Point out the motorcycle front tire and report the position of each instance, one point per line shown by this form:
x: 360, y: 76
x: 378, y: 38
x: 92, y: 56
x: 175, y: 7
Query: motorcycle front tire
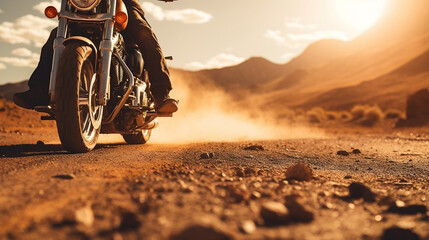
x: 75, y: 71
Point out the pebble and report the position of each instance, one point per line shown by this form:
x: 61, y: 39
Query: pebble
x: 206, y: 155
x: 85, y: 216
x: 397, y: 233
x: 129, y: 222
x: 40, y: 143
x: 359, y: 190
x: 255, y: 195
x: 274, y: 213
x: 407, y: 210
x: 299, y: 172
x: 65, y: 176
x: 248, y: 227
x: 356, y: 151
x: 254, y: 148
x: 297, y: 209
x: 378, y: 218
x: 239, y: 171
x: 343, y: 153
x: 239, y: 193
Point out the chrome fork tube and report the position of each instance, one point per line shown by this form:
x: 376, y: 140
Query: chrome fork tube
x: 58, y: 50
x: 106, y: 50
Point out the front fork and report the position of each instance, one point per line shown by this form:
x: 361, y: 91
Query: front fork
x: 106, y: 51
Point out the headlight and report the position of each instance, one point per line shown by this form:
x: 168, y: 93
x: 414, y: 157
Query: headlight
x: 84, y: 5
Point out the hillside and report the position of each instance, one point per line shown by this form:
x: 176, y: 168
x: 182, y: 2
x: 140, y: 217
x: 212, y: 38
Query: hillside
x: 388, y: 91
x: 9, y: 89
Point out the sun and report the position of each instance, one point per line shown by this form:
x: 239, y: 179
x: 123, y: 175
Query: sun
x: 360, y: 14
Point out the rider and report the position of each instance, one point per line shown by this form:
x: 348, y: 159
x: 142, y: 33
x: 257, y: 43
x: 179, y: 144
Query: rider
x: 139, y: 32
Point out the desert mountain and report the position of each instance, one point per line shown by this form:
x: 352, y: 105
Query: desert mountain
x: 388, y: 91
x: 9, y: 89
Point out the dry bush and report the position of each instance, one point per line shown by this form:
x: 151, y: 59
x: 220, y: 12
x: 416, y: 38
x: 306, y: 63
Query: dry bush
x: 345, y: 115
x: 372, y: 115
x: 358, y: 111
x: 289, y: 114
x: 393, y: 114
x: 330, y: 115
x: 299, y: 112
x: 316, y: 115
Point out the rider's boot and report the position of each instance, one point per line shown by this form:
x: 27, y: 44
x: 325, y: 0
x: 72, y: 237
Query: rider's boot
x: 163, y: 103
x: 31, y: 98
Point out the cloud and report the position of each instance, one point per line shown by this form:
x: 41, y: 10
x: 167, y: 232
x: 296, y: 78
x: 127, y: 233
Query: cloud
x: 22, y: 57
x: 184, y: 15
x: 41, y: 6
x: 275, y: 35
x: 22, y: 52
x: 2, y: 66
x: 218, y: 61
x: 28, y: 29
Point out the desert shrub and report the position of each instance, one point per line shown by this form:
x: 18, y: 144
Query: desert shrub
x: 316, y: 115
x: 372, y: 115
x: 330, y: 115
x: 299, y: 112
x: 2, y: 105
x: 358, y: 111
x: 393, y: 114
x: 345, y: 115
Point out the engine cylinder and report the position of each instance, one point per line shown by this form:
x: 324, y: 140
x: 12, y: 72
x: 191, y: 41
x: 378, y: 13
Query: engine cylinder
x: 135, y: 61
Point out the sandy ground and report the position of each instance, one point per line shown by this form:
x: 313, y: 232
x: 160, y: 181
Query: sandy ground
x: 176, y: 191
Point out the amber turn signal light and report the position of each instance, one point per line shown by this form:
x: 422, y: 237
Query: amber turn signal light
x: 121, y: 17
x: 51, y: 12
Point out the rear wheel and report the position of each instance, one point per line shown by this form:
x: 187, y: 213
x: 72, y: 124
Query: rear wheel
x: 140, y: 138
x: 77, y: 114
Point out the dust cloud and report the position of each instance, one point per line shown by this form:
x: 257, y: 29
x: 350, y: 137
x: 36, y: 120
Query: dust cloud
x: 208, y: 114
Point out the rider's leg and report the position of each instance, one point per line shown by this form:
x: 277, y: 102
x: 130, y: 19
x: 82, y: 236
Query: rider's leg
x: 39, y: 80
x: 140, y: 32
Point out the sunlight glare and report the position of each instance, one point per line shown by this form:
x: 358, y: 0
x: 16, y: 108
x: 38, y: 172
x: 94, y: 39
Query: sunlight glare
x: 360, y: 14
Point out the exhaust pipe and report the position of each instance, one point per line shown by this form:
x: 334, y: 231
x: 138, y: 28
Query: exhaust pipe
x: 151, y: 125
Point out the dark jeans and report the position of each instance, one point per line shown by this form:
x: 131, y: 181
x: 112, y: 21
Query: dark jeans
x: 138, y: 31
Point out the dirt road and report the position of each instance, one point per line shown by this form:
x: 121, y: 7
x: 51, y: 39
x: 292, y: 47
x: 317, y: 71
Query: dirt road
x: 160, y: 191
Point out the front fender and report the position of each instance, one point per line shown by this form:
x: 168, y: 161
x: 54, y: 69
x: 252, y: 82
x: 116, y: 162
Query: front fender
x: 84, y: 40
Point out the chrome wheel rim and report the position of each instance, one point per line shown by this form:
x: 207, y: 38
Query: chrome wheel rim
x: 90, y: 113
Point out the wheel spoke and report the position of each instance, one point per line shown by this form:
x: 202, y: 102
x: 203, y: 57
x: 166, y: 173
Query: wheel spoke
x: 83, y: 101
x: 86, y: 125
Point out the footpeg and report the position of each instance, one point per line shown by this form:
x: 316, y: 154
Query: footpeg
x: 46, y: 109
x: 155, y: 114
x: 164, y: 115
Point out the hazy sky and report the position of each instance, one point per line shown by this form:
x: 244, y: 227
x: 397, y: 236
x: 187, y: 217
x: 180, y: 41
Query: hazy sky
x: 201, y: 33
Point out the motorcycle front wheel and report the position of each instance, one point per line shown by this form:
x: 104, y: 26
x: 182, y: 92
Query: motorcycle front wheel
x: 78, y: 116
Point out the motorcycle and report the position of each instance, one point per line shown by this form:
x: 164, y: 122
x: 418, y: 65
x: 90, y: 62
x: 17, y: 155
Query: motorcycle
x: 98, y: 84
